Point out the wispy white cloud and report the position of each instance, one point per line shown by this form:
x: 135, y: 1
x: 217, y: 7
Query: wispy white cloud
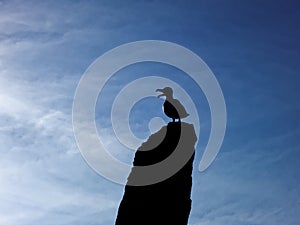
x: 39, y: 157
x: 249, y: 185
x: 44, y: 176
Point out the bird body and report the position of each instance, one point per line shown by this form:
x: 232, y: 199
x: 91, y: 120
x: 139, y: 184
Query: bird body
x: 172, y: 107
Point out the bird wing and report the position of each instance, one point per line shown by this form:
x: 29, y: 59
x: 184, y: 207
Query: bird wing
x: 180, y: 108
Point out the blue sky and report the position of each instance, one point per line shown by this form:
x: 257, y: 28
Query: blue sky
x: 251, y: 46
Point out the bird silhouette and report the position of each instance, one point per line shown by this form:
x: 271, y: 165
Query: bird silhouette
x: 172, y: 107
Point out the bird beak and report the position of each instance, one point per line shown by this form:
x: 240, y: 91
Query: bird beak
x: 160, y: 90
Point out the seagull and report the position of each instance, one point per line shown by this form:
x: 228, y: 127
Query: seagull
x: 172, y: 107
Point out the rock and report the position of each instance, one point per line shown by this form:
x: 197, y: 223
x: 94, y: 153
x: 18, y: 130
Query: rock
x: 161, y: 202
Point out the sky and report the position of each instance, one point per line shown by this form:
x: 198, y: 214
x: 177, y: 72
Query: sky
x: 251, y: 46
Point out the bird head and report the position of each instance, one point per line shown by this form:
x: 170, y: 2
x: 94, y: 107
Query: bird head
x: 167, y: 91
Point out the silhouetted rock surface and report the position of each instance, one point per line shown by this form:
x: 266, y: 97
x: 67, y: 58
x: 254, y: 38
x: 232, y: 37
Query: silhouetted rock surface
x: 166, y: 202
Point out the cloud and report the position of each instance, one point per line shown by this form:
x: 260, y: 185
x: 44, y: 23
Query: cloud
x: 43, y: 176
x: 250, y: 185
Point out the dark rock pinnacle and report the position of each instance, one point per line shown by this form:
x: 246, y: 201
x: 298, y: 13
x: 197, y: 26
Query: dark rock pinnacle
x: 163, y: 202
